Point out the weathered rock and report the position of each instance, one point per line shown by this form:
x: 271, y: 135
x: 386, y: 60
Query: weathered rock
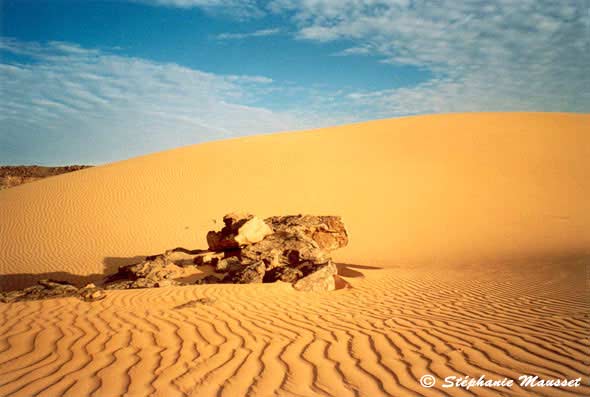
x: 157, y: 272
x: 284, y: 248
x: 253, y: 273
x: 229, y: 264
x: 91, y: 293
x: 53, y: 289
x: 327, y: 231
x: 119, y: 284
x: 183, y: 257
x: 322, y: 279
x: 239, y: 230
x: 208, y: 258
x: 286, y: 274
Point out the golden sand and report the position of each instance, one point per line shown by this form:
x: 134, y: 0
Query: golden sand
x: 469, y: 255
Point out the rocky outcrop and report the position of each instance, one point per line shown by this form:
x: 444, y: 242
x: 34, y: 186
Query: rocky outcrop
x: 327, y: 231
x: 157, y: 271
x: 294, y: 249
x: 46, y: 289
x: 297, y: 247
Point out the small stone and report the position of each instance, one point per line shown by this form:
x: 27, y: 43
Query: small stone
x: 92, y: 294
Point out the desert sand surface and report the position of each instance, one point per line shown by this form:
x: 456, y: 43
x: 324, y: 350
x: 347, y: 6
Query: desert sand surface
x: 469, y: 255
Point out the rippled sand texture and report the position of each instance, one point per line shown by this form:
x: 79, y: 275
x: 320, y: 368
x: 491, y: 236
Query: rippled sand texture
x: 376, y: 339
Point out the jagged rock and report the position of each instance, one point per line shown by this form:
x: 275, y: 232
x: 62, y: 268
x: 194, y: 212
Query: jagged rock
x: 120, y: 284
x: 327, y: 231
x: 252, y: 273
x: 53, y: 289
x: 322, y: 279
x: 284, y: 248
x: 286, y: 274
x: 239, y: 230
x: 229, y: 264
x: 157, y: 272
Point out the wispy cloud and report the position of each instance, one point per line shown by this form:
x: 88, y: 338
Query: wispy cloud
x: 244, y: 35
x: 498, y: 55
x: 484, y: 55
x: 236, y: 8
x: 95, y: 106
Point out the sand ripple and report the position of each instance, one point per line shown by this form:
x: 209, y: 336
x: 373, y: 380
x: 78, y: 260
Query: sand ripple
x: 376, y: 339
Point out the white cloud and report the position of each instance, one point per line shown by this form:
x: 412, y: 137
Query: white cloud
x: 237, y: 8
x: 353, y: 51
x: 257, y: 33
x: 484, y: 55
x: 89, y: 105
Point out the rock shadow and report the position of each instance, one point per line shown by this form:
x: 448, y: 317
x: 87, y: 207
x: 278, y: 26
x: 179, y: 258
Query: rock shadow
x: 348, y: 270
x: 112, y: 263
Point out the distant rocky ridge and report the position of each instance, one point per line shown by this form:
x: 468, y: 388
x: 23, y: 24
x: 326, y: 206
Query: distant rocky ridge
x: 11, y: 176
x: 294, y: 249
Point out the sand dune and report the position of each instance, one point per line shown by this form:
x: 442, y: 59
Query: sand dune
x: 479, y: 222
x: 418, y: 189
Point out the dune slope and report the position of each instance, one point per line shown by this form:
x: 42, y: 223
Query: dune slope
x: 425, y: 189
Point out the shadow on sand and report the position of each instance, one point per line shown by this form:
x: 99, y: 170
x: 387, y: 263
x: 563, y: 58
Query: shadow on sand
x: 10, y: 282
x: 348, y: 270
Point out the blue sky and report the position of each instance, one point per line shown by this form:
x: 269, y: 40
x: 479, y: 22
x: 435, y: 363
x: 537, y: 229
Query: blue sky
x: 99, y: 81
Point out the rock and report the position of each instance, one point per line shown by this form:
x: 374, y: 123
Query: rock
x: 239, y: 230
x: 195, y: 303
x: 153, y: 273
x: 284, y: 248
x: 183, y: 257
x: 285, y: 274
x: 90, y: 293
x: 57, y: 287
x: 253, y: 273
x: 228, y: 264
x: 53, y: 289
x: 327, y: 231
x: 208, y: 258
x: 322, y: 279
x: 120, y: 284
